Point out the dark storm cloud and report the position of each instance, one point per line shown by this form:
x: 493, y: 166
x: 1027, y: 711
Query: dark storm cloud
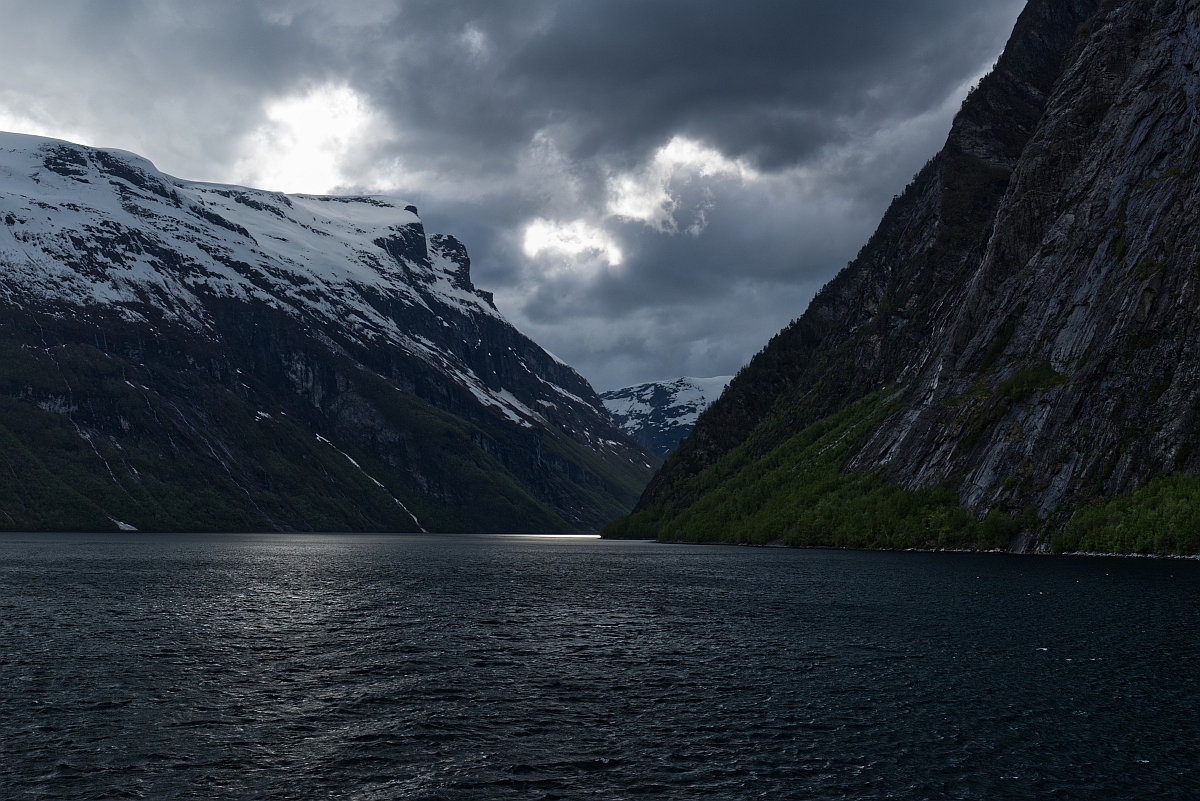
x: 764, y: 80
x: 497, y: 113
x: 771, y: 81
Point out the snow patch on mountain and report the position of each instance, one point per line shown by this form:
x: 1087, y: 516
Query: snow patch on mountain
x: 319, y: 253
x: 85, y: 226
x: 661, y: 413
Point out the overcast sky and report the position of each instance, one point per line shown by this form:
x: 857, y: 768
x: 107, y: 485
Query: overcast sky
x: 652, y: 188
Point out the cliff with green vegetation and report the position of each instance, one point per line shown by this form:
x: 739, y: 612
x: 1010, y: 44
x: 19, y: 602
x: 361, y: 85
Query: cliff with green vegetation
x: 1012, y: 360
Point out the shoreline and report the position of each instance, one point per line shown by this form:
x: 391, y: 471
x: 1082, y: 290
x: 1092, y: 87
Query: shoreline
x: 778, y: 544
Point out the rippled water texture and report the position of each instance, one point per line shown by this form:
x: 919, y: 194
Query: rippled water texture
x: 490, y: 667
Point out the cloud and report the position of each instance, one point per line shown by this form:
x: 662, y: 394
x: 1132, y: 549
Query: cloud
x: 648, y: 195
x: 573, y: 239
x: 307, y: 141
x: 651, y: 189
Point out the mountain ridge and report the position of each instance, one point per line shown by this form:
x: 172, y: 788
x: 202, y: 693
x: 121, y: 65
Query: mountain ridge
x: 798, y: 358
x: 1024, y: 309
x: 658, y: 414
x: 154, y: 323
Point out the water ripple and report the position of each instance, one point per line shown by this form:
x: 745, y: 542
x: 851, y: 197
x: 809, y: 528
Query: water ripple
x: 280, y: 667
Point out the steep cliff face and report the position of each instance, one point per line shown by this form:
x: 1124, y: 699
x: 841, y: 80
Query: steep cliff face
x: 1070, y: 367
x: 1087, y: 281
x: 880, y: 316
x: 1028, y: 308
x: 184, y: 355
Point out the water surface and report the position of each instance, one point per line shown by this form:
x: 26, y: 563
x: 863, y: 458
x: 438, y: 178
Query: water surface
x: 298, y: 667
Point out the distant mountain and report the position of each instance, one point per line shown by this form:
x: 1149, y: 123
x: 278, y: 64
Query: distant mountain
x: 661, y: 413
x: 180, y: 355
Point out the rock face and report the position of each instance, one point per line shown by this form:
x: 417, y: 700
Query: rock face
x: 661, y: 413
x: 1031, y: 303
x: 188, y: 355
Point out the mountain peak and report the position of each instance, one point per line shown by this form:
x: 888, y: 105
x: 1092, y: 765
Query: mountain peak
x: 661, y: 413
x: 328, y: 319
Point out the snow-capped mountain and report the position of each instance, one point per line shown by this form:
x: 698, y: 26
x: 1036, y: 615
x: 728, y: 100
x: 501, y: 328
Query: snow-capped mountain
x: 292, y: 304
x: 661, y: 413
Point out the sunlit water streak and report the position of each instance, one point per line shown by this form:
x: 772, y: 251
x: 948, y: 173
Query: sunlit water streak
x: 486, y: 667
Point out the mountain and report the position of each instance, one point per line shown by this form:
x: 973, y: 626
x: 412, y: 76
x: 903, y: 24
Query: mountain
x: 1013, y: 359
x: 661, y: 413
x: 180, y: 355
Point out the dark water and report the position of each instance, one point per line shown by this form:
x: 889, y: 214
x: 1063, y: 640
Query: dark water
x: 486, y: 667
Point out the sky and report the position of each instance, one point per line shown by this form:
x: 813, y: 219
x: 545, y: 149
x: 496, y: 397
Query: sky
x: 651, y: 188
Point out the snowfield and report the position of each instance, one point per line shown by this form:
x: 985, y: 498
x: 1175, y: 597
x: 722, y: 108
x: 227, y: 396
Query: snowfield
x: 661, y: 413
x: 88, y: 226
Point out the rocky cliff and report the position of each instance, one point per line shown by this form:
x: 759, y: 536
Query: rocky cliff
x: 179, y: 355
x: 1020, y: 334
